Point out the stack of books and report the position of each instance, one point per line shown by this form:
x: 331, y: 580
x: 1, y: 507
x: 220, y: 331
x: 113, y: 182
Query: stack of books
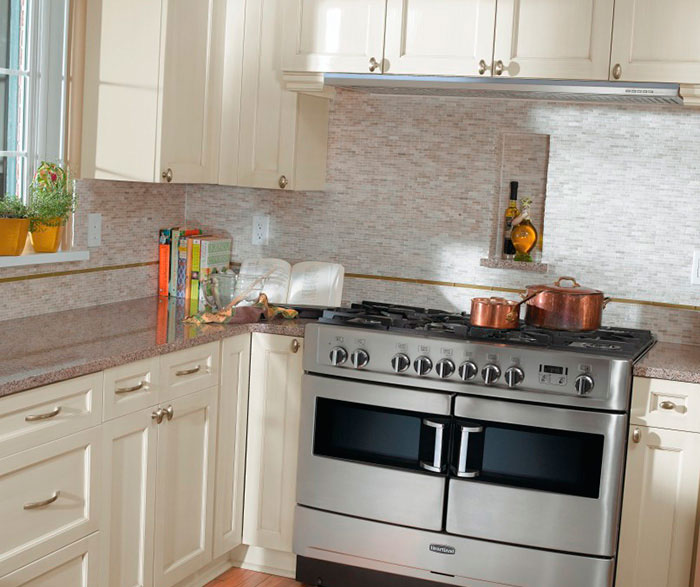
x: 187, y: 258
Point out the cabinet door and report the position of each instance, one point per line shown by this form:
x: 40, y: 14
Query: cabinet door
x: 439, y: 37
x: 333, y: 35
x: 128, y: 490
x: 193, y: 42
x: 567, y: 39
x: 657, y: 41
x: 185, y: 487
x: 659, y: 509
x: 230, y: 457
x: 273, y: 438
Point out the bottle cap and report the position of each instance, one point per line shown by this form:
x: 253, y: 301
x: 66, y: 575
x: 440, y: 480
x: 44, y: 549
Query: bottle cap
x: 513, y: 190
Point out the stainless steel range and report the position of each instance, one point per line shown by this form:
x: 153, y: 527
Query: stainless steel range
x: 433, y: 451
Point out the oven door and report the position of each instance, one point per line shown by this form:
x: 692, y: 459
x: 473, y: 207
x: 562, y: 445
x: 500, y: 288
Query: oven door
x: 536, y: 476
x: 374, y: 451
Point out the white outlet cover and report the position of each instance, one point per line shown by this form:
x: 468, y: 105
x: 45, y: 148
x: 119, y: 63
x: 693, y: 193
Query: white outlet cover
x: 695, y: 275
x: 94, y: 236
x: 261, y: 229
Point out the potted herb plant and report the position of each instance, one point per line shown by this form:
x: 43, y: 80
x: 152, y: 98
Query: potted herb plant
x: 52, y: 204
x: 14, y: 225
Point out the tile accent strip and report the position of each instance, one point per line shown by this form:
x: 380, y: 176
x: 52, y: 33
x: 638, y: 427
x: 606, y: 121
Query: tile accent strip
x: 75, y: 272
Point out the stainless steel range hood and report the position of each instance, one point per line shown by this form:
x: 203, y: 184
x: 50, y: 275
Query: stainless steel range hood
x: 553, y: 90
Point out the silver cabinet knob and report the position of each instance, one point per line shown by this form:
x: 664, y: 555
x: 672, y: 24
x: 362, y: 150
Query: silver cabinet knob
x: 483, y: 67
x: 490, y: 374
x: 158, y: 415
x: 296, y: 345
x: 498, y: 67
x: 423, y: 365
x: 584, y: 384
x: 283, y: 182
x: 359, y: 358
x: 468, y: 370
x: 617, y: 71
x: 667, y: 405
x: 400, y: 363
x: 169, y: 413
x: 444, y: 368
x: 514, y: 376
x: 636, y: 435
x: 338, y: 356
x: 167, y: 175
x: 374, y: 65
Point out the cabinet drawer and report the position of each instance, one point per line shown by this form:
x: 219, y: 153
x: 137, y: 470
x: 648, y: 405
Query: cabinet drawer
x: 666, y: 404
x: 74, y: 566
x: 190, y: 370
x: 31, y: 418
x: 49, y: 498
x: 131, y: 387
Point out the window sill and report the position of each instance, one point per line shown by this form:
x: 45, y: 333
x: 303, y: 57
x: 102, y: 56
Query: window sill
x: 44, y: 258
x: 533, y: 267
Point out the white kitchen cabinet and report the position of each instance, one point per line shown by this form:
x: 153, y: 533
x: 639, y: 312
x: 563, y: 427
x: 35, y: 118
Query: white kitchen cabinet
x: 184, y: 507
x: 152, y: 91
x: 334, y: 35
x: 659, y: 510
x: 273, y: 437
x: 128, y: 491
x: 656, y: 41
x: 439, y: 37
x: 282, y: 135
x: 230, y: 456
x: 566, y: 39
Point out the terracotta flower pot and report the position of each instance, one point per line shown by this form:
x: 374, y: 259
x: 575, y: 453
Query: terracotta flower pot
x: 47, y: 239
x: 13, y: 235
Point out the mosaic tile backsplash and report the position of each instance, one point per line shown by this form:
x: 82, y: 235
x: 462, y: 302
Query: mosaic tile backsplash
x: 415, y: 189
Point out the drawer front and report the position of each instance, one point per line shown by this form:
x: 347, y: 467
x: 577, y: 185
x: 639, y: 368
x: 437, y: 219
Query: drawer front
x: 74, y: 566
x: 666, y: 404
x: 31, y: 418
x: 49, y: 497
x: 190, y: 370
x: 131, y: 387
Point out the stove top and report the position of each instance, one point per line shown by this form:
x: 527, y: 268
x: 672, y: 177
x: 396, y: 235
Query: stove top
x: 623, y: 343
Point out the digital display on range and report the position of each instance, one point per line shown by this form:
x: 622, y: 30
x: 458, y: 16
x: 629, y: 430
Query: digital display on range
x: 552, y: 369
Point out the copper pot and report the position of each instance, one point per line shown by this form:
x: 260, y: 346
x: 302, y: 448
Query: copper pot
x: 559, y: 307
x: 495, y: 313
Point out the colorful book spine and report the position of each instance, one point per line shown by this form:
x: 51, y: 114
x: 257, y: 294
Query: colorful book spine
x: 182, y: 291
x: 164, y: 243
x: 194, y: 274
x: 175, y: 241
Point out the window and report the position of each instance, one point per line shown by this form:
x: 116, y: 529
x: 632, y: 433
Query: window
x: 32, y: 88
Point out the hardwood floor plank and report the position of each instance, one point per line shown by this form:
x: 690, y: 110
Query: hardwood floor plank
x: 246, y: 578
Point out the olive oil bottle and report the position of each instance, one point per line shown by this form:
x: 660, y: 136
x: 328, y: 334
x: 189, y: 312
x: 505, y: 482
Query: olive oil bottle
x: 511, y: 213
x: 523, y: 234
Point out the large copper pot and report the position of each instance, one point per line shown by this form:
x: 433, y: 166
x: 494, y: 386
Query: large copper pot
x: 559, y: 307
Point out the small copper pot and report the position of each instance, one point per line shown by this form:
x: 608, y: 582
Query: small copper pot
x: 559, y: 307
x: 495, y: 313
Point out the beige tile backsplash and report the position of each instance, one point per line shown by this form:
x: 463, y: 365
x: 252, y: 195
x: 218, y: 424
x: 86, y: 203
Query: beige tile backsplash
x: 415, y: 189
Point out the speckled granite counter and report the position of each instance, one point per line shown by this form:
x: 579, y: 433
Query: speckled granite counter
x: 53, y: 347
x: 675, y: 362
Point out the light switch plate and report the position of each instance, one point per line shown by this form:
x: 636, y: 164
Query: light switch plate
x: 94, y: 236
x: 695, y: 275
x: 261, y: 229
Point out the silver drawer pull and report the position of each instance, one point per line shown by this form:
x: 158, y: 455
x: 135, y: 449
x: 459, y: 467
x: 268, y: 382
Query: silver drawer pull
x: 436, y: 465
x: 461, y: 469
x: 40, y: 504
x: 667, y: 405
x: 47, y: 416
x: 187, y: 371
x: 121, y: 390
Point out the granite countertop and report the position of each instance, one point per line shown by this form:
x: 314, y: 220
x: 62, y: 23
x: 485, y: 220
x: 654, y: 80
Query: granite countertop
x: 44, y: 349
x: 675, y: 362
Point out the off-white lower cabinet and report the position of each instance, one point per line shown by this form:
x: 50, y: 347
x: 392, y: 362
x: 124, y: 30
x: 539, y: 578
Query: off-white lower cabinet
x: 662, y: 487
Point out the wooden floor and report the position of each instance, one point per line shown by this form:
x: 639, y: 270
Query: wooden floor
x: 244, y: 578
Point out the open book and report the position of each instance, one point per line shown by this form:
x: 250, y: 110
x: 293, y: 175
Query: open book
x: 310, y: 283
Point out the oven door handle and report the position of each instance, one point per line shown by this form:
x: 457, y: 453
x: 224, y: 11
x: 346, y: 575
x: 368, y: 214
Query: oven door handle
x: 461, y: 469
x: 436, y: 466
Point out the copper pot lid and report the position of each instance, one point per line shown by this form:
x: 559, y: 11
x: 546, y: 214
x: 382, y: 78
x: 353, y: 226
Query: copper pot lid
x: 575, y: 288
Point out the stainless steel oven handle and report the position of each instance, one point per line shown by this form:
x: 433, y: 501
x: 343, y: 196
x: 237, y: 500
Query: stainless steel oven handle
x: 436, y: 465
x: 461, y: 470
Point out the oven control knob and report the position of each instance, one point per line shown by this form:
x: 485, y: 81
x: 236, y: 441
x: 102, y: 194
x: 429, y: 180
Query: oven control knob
x: 490, y: 374
x: 338, y: 356
x: 514, y: 376
x: 584, y: 384
x: 423, y: 365
x: 359, y: 358
x: 468, y: 371
x: 445, y: 368
x: 400, y: 363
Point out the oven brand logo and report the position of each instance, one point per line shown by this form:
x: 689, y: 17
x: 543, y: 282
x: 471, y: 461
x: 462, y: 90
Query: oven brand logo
x: 442, y: 549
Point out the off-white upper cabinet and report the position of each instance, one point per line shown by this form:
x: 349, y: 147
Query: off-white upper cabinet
x: 152, y: 92
x: 656, y: 41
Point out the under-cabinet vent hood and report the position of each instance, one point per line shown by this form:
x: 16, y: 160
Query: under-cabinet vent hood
x: 569, y: 91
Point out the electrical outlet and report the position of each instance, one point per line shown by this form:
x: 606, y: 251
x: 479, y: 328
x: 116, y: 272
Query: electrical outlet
x: 261, y: 229
x: 94, y: 236
x: 695, y: 275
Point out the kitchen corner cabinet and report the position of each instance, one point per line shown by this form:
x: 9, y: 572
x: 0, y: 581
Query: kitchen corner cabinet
x: 662, y: 486
x: 273, y: 437
x: 152, y: 91
x: 656, y: 41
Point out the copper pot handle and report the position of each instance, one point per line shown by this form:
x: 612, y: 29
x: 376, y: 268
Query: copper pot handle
x: 557, y: 283
x: 606, y: 301
x: 512, y: 316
